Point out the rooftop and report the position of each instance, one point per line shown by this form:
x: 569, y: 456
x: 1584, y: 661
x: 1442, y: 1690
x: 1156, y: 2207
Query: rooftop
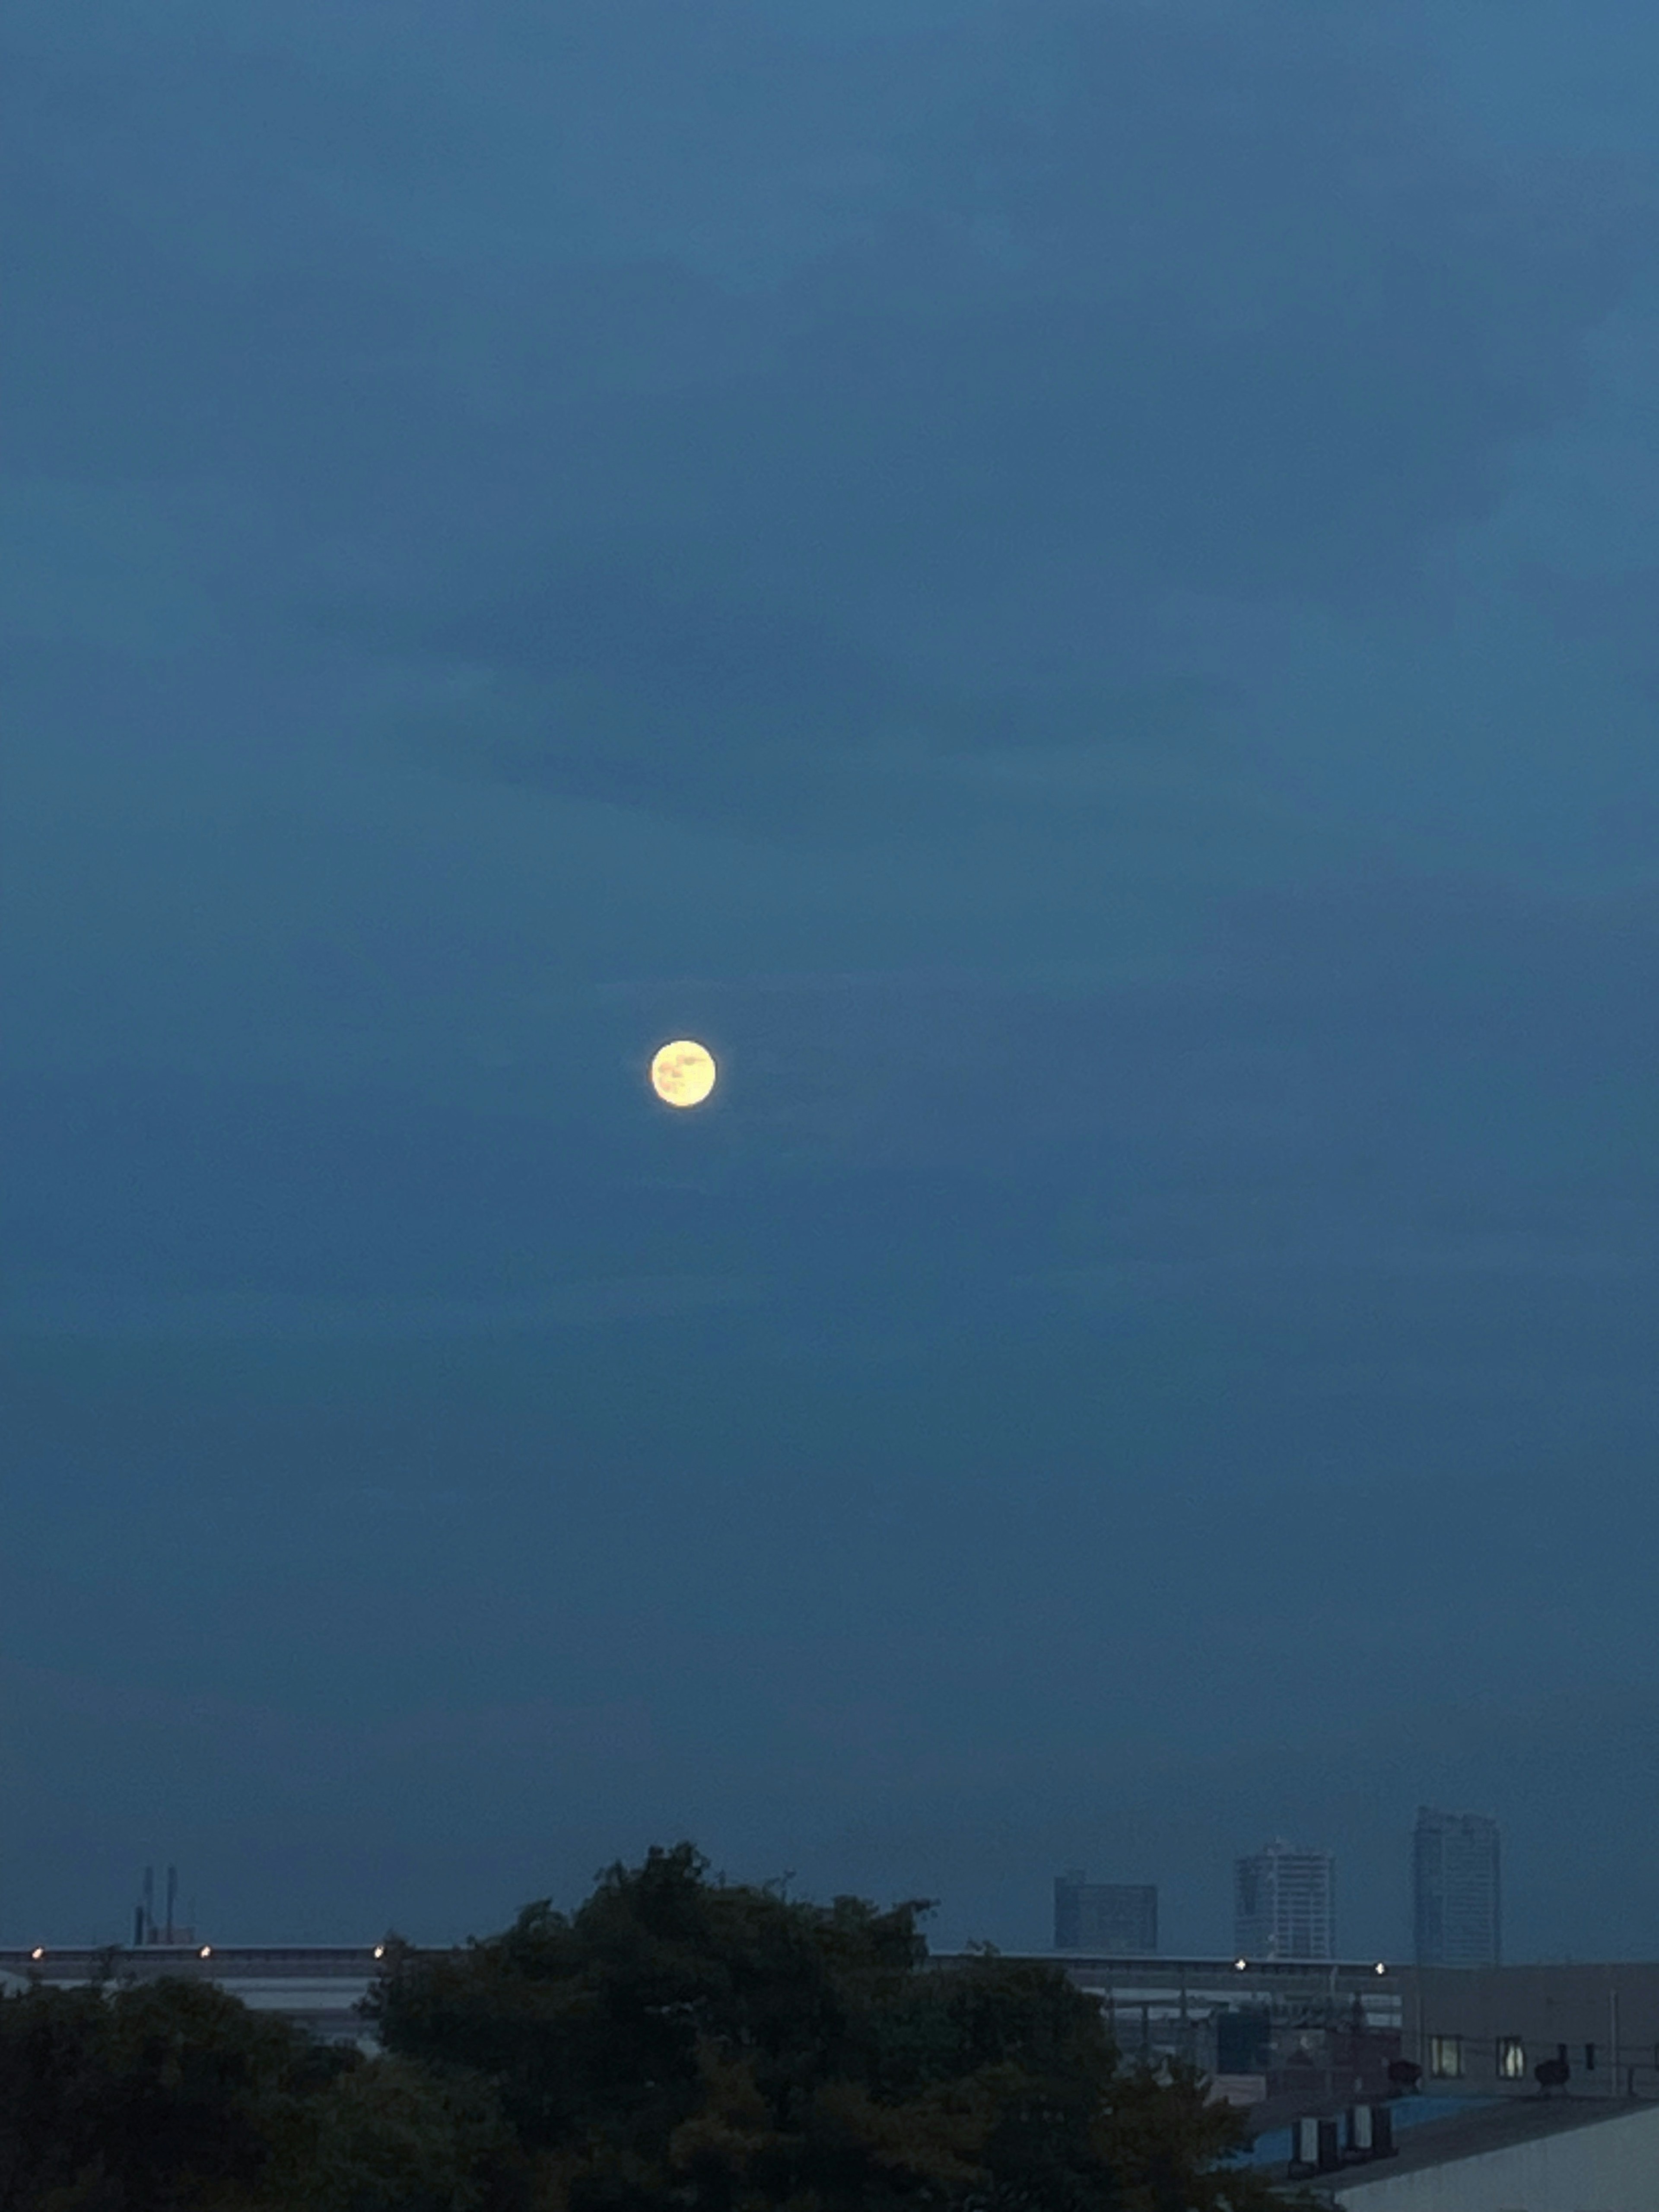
x: 1432, y: 2131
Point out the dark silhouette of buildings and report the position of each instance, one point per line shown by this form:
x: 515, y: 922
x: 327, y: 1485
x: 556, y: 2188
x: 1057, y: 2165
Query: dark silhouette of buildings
x: 1285, y: 1903
x: 1117, y: 1919
x: 1457, y: 1893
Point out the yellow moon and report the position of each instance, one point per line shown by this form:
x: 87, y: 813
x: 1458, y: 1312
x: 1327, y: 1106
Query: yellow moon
x: 682, y: 1073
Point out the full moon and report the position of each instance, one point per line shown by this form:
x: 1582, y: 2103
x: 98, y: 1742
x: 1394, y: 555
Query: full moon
x: 682, y: 1073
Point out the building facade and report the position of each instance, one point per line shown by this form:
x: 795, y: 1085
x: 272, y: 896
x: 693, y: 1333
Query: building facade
x: 1455, y: 1891
x: 1284, y: 2035
x: 316, y: 1987
x: 1115, y: 1917
x: 1285, y: 1903
x: 1483, y: 2030
x: 1277, y: 2037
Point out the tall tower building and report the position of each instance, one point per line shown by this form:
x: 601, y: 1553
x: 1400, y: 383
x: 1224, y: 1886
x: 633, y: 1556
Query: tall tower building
x: 1116, y: 1917
x: 1285, y: 1903
x: 1456, y: 1894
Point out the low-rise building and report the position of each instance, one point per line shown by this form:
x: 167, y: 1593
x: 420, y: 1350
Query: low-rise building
x: 1277, y: 2035
x: 1527, y: 2155
x: 316, y: 1986
x: 1325, y: 2033
x: 1476, y: 2030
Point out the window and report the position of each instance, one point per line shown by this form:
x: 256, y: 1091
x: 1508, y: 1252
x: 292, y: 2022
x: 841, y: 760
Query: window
x: 1511, y: 2059
x: 1446, y: 2058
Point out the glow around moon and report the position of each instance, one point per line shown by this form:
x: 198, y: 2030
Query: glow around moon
x: 682, y: 1073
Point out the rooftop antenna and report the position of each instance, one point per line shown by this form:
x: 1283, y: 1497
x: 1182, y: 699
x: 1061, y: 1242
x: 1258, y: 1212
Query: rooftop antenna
x: 147, y: 1908
x: 172, y: 1893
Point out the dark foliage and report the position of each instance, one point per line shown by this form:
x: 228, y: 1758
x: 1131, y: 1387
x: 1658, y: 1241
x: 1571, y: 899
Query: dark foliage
x: 150, y: 2098
x: 679, y: 2042
x: 172, y: 2096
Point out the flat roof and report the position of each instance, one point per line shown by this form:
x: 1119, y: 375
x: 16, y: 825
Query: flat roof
x: 51, y: 1961
x: 1154, y: 1962
x: 1497, y: 2123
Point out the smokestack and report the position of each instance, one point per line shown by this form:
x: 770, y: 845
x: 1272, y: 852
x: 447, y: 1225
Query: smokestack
x: 172, y: 1895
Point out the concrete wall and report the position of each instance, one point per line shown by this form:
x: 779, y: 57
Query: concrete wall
x: 1609, y: 2166
x: 1542, y: 2007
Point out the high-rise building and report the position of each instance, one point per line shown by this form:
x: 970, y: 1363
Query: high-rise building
x: 1455, y: 1889
x: 1285, y: 1903
x: 1113, y: 1917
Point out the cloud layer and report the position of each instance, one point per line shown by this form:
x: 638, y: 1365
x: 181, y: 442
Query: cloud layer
x: 1068, y: 585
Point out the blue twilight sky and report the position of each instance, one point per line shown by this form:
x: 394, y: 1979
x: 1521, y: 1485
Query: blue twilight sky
x: 1072, y: 587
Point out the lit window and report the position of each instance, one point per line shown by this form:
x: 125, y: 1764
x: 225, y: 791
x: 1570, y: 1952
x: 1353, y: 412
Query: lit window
x: 1511, y: 2059
x: 1446, y: 2058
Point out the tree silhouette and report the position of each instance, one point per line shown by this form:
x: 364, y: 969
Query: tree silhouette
x: 676, y: 2044
x: 682, y: 2043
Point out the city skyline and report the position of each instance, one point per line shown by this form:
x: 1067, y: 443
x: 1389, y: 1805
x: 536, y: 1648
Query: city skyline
x: 1457, y: 1917
x: 1114, y: 1917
